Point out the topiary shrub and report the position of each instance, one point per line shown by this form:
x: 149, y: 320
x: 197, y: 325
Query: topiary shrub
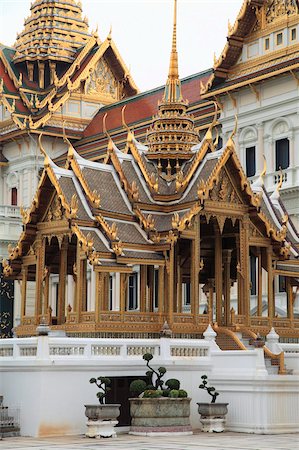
x: 173, y: 383
x: 156, y: 393
x: 155, y: 383
x: 137, y: 387
x: 103, y: 384
x: 183, y: 393
x: 210, y: 389
x: 174, y: 393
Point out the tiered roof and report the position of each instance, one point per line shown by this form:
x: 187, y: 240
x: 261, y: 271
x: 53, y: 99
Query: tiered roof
x: 55, y: 30
x: 52, y: 61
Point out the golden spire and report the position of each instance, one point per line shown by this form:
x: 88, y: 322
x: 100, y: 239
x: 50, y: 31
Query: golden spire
x: 174, y: 66
x: 173, y: 85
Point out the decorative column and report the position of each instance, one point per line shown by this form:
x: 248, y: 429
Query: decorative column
x: 179, y: 286
x: 39, y: 274
x: 244, y: 267
x: 210, y: 301
x: 46, y: 290
x: 151, y: 274
x: 260, y: 284
x: 143, y: 285
x: 271, y: 305
x: 99, y: 295
x: 170, y: 290
x: 227, y: 256
x: 161, y: 293
x: 41, y: 74
x: 290, y: 308
x: 218, y: 275
x: 123, y: 294
x: 24, y: 291
x: 195, y: 267
x: 62, y: 282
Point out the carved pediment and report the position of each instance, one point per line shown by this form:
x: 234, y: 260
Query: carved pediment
x: 274, y: 10
x: 56, y: 211
x: 254, y: 232
x: 102, y: 81
x: 224, y: 191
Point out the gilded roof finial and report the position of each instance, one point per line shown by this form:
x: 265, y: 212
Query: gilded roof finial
x: 173, y: 86
x: 130, y: 133
x: 109, y: 37
x: 43, y: 151
x: 276, y: 194
x: 260, y: 181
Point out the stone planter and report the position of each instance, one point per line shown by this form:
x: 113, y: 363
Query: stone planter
x: 212, y: 416
x: 101, y: 420
x: 160, y: 416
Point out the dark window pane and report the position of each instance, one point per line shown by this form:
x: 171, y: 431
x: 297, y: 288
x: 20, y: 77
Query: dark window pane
x: 282, y: 154
x: 156, y: 291
x: 253, y: 274
x: 14, y: 196
x: 250, y: 161
x: 282, y: 283
x: 110, y: 293
x: 133, y: 291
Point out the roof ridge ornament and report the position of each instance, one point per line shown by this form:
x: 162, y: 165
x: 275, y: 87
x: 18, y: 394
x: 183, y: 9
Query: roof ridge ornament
x: 130, y: 136
x: 260, y: 181
x: 276, y: 194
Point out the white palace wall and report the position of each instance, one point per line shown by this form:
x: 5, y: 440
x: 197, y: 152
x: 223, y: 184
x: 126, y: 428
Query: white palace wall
x: 47, y: 379
x: 265, y: 115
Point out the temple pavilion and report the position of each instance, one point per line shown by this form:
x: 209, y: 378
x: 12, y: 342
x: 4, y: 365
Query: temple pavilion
x: 158, y: 231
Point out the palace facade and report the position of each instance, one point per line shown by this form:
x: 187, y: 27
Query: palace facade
x: 190, y: 219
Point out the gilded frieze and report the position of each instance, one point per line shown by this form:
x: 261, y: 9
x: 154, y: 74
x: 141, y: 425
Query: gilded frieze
x: 274, y: 10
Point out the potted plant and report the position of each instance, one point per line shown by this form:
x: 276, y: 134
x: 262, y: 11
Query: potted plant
x: 158, y: 407
x: 212, y: 415
x: 101, y: 417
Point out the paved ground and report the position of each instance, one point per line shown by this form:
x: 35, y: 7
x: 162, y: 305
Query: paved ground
x: 200, y: 441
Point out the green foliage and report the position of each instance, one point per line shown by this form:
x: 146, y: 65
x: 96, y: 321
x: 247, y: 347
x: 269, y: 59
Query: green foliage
x: 183, y: 393
x: 173, y: 383
x: 147, y: 357
x: 137, y: 387
x: 155, y: 382
x: 210, y: 389
x: 156, y: 393
x: 174, y: 393
x: 103, y: 384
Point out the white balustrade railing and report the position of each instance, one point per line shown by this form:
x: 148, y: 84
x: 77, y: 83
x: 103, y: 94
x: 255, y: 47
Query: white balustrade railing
x: 51, y: 348
x: 289, y: 348
x: 10, y: 211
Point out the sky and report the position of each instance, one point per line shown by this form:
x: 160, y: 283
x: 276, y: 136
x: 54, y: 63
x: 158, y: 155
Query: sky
x: 142, y: 31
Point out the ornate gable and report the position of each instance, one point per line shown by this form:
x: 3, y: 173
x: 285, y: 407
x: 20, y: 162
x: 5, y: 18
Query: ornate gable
x: 224, y: 191
x: 103, y: 83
